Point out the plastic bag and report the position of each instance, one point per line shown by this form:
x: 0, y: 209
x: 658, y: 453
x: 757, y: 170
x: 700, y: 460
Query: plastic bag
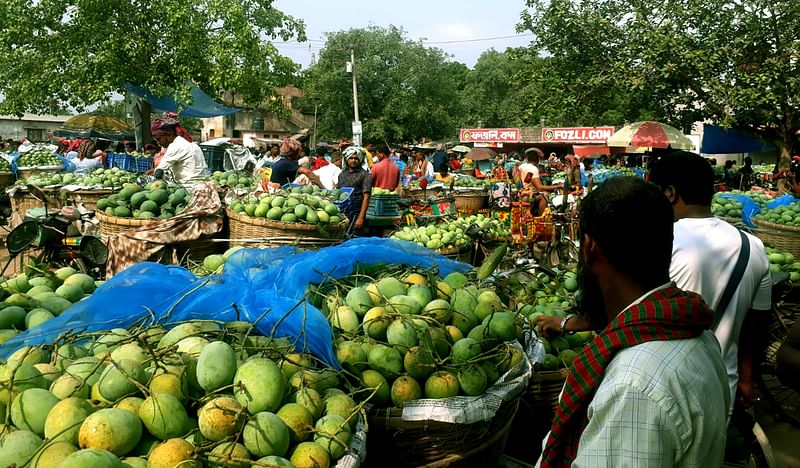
x: 783, y: 200
x: 749, y: 207
x: 263, y: 286
x: 236, y: 157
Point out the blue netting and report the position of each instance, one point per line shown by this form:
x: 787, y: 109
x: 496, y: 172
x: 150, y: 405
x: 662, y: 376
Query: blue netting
x: 750, y: 207
x: 263, y: 286
x: 782, y: 201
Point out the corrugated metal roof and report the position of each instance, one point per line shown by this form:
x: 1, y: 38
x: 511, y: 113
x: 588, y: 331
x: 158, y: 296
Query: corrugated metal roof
x: 37, y: 118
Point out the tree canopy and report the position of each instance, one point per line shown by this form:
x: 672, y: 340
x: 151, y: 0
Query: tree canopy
x: 75, y: 53
x: 406, y: 91
x: 732, y: 62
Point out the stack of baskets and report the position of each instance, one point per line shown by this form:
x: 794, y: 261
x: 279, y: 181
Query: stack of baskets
x: 545, y: 386
x: 780, y: 236
x: 434, y: 444
x: 253, y: 232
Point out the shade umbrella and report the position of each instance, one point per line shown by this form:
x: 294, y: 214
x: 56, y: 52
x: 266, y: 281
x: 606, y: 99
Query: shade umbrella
x: 95, y: 125
x: 480, y: 154
x: 650, y: 134
x: 461, y: 149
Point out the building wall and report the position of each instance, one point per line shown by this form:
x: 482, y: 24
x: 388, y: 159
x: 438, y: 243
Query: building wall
x: 34, y: 128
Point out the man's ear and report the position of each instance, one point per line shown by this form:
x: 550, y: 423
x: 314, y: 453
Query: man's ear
x: 671, y: 194
x: 589, y: 249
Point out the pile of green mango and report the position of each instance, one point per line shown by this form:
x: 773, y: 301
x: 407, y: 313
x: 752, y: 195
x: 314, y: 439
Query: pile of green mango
x: 155, y: 201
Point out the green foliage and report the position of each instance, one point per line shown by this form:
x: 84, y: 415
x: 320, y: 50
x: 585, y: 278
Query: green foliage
x: 75, y: 52
x: 732, y: 62
x: 406, y: 90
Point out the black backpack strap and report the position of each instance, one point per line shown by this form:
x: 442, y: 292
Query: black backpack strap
x: 735, y: 280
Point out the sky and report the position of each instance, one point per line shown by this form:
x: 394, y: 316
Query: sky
x: 432, y: 21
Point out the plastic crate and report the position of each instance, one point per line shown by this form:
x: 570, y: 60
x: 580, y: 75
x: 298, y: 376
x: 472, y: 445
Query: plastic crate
x: 383, y: 205
x: 144, y: 164
x: 344, y: 205
x: 125, y: 162
x: 215, y: 158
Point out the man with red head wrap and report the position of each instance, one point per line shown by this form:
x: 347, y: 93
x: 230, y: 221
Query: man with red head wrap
x: 183, y: 157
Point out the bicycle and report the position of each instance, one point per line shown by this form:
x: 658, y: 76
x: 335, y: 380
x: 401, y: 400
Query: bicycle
x: 48, y: 238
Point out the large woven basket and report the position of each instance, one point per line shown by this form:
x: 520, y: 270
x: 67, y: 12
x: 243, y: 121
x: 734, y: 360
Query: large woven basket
x: 395, y: 442
x: 88, y: 198
x: 112, y: 225
x: 470, y: 203
x: 785, y: 238
x: 419, y: 194
x: 253, y: 232
x: 22, y: 201
x: 461, y: 254
x: 546, y: 386
x: 27, y: 172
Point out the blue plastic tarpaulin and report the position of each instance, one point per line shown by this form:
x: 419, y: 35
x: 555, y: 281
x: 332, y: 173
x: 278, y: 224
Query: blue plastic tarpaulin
x: 719, y: 140
x: 266, y: 287
x: 202, y: 106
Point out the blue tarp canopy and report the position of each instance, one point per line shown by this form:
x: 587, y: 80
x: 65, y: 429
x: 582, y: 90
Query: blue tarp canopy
x: 202, y: 105
x: 719, y: 140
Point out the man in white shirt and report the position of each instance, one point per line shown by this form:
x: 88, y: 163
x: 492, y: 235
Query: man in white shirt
x: 532, y: 183
x: 183, y: 157
x: 705, y: 252
x: 329, y: 173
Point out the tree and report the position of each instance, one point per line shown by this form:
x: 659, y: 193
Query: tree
x: 77, y: 53
x: 735, y: 63
x: 490, y: 95
x: 405, y: 91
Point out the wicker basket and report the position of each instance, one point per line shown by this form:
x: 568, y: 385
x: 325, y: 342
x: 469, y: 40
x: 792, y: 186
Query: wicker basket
x: 546, y: 386
x: 89, y: 198
x: 112, y: 225
x: 197, y: 250
x: 22, y: 201
x: 785, y: 238
x: 469, y: 172
x: 6, y: 179
x: 419, y: 194
x: 436, y: 444
x: 461, y: 254
x: 471, y: 202
x: 27, y: 172
x: 253, y: 232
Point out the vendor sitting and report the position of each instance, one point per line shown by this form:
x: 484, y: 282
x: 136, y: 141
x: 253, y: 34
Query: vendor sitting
x: 444, y: 175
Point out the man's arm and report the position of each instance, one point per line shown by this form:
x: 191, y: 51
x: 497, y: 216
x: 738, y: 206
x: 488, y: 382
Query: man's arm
x: 366, y: 187
x: 751, y: 349
x: 551, y: 325
x: 311, y: 176
x: 540, y: 187
x: 788, y: 358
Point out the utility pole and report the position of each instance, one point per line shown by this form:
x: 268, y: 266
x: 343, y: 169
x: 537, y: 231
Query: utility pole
x: 356, y: 121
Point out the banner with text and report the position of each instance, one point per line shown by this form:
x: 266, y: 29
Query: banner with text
x: 485, y: 135
x: 577, y: 134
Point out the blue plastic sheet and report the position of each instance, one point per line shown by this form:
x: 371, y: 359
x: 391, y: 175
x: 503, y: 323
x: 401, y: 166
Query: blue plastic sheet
x: 749, y: 207
x: 783, y: 200
x: 263, y: 286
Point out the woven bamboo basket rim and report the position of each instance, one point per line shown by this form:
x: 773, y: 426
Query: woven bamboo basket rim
x: 40, y: 168
x: 452, y: 250
x: 761, y: 224
x: 92, y: 191
x: 731, y: 220
x: 280, y: 225
x: 497, y: 436
x: 549, y: 376
x: 125, y: 222
x: 432, y: 443
x: 473, y: 194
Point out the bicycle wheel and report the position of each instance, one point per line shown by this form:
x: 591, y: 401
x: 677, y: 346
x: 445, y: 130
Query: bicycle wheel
x: 561, y: 253
x: 784, y: 400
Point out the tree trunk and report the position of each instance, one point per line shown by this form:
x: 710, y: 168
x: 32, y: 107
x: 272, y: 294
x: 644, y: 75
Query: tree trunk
x: 141, y: 122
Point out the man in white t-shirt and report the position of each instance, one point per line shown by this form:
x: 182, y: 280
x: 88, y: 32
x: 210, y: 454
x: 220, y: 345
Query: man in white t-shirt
x: 532, y: 183
x: 704, y: 254
x: 183, y: 157
x: 329, y: 174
